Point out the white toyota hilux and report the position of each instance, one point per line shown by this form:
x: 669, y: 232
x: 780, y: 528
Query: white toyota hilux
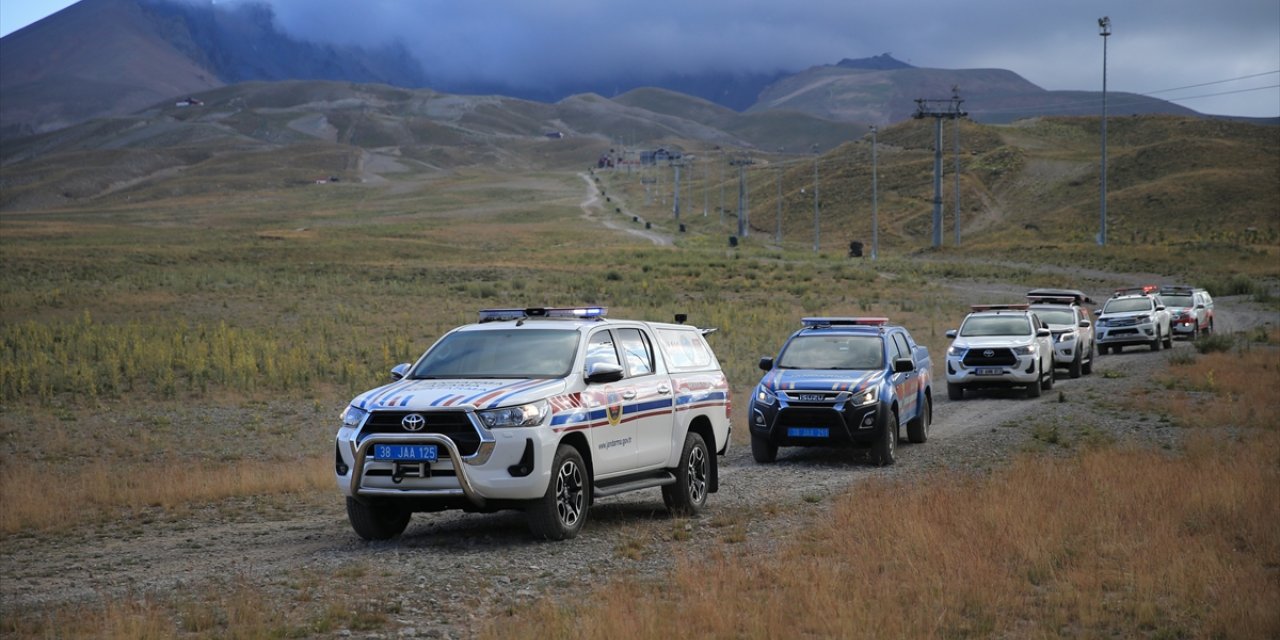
x: 543, y: 410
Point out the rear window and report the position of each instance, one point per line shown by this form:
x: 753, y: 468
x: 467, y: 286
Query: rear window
x: 685, y: 349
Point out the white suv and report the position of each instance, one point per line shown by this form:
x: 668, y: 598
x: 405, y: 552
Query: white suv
x: 1000, y: 345
x: 1134, y: 317
x: 539, y: 409
x: 1063, y: 311
x: 1190, y: 310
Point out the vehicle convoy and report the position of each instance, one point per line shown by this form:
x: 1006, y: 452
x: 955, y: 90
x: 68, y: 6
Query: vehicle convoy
x: 543, y: 410
x: 1134, y: 316
x: 1190, y: 310
x: 1063, y: 310
x: 1000, y: 345
x: 843, y: 382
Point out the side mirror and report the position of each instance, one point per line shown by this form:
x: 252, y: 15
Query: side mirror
x: 1200, y: 306
x: 951, y: 333
x: 399, y: 371
x: 1084, y: 324
x: 1097, y: 312
x: 766, y: 363
x: 904, y: 365
x: 1043, y: 333
x: 603, y: 372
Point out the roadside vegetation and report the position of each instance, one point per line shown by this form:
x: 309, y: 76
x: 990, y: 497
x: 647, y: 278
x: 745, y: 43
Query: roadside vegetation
x: 175, y: 347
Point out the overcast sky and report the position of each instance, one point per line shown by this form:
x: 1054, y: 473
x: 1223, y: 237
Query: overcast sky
x: 1229, y: 47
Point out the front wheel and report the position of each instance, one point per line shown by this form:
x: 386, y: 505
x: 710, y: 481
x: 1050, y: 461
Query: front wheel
x: 955, y: 392
x: 918, y: 429
x: 1051, y: 378
x: 560, y: 513
x: 1077, y: 365
x: 376, y: 521
x: 1033, y: 389
x: 1087, y: 367
x: 1168, y: 339
x: 688, y: 495
x: 1155, y: 344
x: 884, y: 451
x: 762, y: 450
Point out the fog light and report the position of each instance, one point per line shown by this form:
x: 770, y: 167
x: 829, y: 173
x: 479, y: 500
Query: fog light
x: 338, y: 465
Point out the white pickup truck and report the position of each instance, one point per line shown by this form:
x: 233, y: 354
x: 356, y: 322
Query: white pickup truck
x: 543, y: 410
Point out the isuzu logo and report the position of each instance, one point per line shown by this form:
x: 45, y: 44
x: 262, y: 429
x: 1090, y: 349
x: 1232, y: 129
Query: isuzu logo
x: 413, y: 422
x: 989, y: 353
x: 811, y: 397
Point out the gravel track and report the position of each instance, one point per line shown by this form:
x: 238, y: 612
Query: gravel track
x: 451, y: 571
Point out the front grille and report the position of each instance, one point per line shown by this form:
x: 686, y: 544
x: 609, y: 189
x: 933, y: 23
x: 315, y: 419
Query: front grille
x: 1000, y: 357
x: 1122, y: 322
x: 812, y: 397
x: 454, y: 424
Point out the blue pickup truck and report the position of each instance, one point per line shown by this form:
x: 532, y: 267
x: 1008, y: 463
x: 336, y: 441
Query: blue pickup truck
x: 843, y: 382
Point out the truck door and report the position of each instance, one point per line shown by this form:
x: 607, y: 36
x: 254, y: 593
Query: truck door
x: 907, y: 384
x: 651, y: 409
x: 612, y: 437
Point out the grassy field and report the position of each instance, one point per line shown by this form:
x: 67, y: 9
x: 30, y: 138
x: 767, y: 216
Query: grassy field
x: 257, y: 312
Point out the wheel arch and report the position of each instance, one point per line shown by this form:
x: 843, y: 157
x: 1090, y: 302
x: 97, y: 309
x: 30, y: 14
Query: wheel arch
x: 701, y: 425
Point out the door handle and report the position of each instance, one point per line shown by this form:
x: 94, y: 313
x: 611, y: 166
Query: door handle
x: 664, y: 389
x: 629, y: 394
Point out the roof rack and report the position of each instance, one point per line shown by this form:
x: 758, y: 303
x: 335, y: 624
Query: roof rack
x: 867, y: 321
x: 1000, y: 307
x: 1146, y: 289
x: 570, y: 313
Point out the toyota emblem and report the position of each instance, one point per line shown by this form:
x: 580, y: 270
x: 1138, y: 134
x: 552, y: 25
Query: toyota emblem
x: 986, y: 354
x: 413, y: 422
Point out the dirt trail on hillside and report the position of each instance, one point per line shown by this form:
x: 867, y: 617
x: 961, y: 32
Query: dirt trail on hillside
x: 452, y: 571
x: 593, y: 210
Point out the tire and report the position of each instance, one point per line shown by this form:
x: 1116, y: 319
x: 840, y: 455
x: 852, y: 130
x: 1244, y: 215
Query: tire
x: 1195, y: 333
x: 762, y: 450
x: 1047, y: 383
x: 1077, y: 365
x: 918, y: 427
x: 689, y: 494
x: 561, y: 512
x: 955, y: 392
x: 1087, y: 367
x: 884, y: 451
x: 1103, y: 349
x: 375, y: 521
x: 1168, y: 339
x: 1033, y: 389
x: 1155, y: 346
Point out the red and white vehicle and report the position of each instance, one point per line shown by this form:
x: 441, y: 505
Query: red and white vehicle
x: 543, y: 410
x: 1190, y: 310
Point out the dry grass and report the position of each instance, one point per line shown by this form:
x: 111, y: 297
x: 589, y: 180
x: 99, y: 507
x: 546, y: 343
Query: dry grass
x: 1113, y: 542
x: 101, y: 489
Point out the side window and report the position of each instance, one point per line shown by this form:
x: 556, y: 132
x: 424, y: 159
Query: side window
x: 684, y: 349
x: 900, y: 349
x: 636, y: 351
x: 600, y: 350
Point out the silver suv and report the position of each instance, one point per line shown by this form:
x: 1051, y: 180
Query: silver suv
x: 1000, y: 345
x: 1134, y: 317
x: 1063, y: 310
x: 1190, y: 310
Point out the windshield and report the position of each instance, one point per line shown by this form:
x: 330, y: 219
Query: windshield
x: 833, y: 352
x: 1057, y: 316
x: 518, y: 353
x: 977, y: 326
x: 1177, y: 301
x: 1126, y: 305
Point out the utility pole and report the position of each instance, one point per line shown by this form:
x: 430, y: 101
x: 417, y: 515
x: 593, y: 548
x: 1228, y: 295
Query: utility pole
x: 817, y: 234
x: 875, y: 189
x: 743, y: 208
x: 675, y: 199
x: 777, y: 234
x: 955, y: 126
x: 938, y: 109
x: 1104, y: 30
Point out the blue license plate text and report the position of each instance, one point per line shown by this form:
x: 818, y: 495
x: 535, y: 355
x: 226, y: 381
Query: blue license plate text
x: 807, y: 432
x: 412, y: 452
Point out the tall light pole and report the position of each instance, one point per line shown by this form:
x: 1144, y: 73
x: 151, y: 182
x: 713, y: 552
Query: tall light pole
x: 777, y: 234
x: 875, y: 223
x: 817, y: 235
x: 1104, y: 30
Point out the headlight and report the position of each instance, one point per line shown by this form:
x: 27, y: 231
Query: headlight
x: 1069, y: 336
x: 865, y: 398
x: 353, y: 416
x: 765, y: 397
x: 1143, y: 319
x: 955, y: 351
x: 1024, y: 350
x: 525, y: 415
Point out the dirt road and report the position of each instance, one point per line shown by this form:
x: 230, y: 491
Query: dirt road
x: 452, y: 570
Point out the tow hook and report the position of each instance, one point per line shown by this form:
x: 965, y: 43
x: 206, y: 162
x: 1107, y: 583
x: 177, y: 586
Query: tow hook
x: 402, y: 470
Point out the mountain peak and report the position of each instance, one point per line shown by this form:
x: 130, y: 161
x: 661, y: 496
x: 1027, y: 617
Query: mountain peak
x: 882, y: 62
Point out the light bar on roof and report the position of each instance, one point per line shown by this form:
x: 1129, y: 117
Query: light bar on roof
x: 1136, y: 291
x: 1052, y: 299
x: 834, y: 322
x: 502, y: 315
x: 999, y: 307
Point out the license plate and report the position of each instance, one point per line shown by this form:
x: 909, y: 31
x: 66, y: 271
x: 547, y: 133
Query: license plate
x: 413, y: 452
x: 808, y: 432
x: 989, y: 371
